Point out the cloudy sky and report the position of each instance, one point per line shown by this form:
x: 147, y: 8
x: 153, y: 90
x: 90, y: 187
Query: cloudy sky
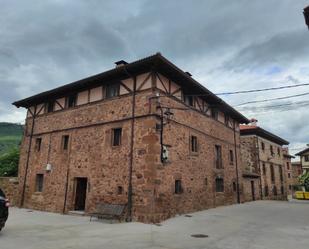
x: 226, y: 45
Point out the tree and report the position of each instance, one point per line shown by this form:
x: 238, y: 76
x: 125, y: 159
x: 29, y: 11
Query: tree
x: 9, y: 163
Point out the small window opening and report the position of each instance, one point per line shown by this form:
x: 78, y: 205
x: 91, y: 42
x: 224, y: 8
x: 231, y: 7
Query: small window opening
x: 218, y: 157
x: 189, y: 100
x: 116, y: 137
x: 231, y: 157
x: 219, y: 185
x: 49, y: 106
x: 178, y: 187
x: 112, y: 90
x: 65, y: 142
x: 38, y: 142
x: 71, y: 100
x: 39, y: 182
x: 193, y: 144
x: 214, y: 113
x: 119, y: 190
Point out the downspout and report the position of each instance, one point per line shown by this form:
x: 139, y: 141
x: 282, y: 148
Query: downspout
x: 236, y: 164
x: 130, y: 188
x: 67, y: 179
x: 259, y: 163
x: 28, y: 158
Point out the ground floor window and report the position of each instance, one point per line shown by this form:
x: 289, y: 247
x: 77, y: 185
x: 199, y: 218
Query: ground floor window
x: 178, y: 187
x: 266, y: 191
x: 219, y: 185
x: 39, y: 182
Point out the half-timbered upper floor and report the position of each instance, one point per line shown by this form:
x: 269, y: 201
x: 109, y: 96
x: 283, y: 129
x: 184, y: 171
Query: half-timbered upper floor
x: 154, y: 72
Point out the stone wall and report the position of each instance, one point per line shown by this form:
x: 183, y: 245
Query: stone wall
x: 10, y: 187
x: 91, y: 155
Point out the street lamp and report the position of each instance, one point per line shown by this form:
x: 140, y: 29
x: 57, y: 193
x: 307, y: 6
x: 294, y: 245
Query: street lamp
x: 306, y: 15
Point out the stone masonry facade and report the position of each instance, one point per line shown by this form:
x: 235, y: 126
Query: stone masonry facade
x: 264, y: 164
x: 202, y: 169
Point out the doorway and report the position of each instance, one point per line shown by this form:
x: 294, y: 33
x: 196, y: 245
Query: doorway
x: 252, y: 190
x: 80, y: 193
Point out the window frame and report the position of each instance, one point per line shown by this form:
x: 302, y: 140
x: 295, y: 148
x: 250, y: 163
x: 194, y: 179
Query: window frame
x: 39, y: 183
x: 219, y: 184
x: 65, y: 142
x: 38, y: 144
x: 272, y: 173
x: 178, y: 187
x: 68, y: 102
x: 218, y: 157
x: 193, y: 144
x: 50, y: 106
x: 112, y: 86
x: 114, y: 130
x: 231, y: 157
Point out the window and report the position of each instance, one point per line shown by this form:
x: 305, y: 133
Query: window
x: 272, y: 173
x: 231, y: 157
x: 271, y: 150
x: 266, y: 191
x: 116, y: 137
x: 189, y: 100
x: 39, y: 182
x: 178, y: 188
x: 50, y: 106
x: 119, y: 190
x: 282, y: 190
x: 214, y: 113
x: 278, y: 151
x: 112, y: 90
x: 289, y: 175
x: 275, y: 190
x: 234, y: 186
x: 71, y: 100
x: 263, y: 146
x: 287, y: 165
x: 38, y: 142
x: 218, y: 157
x: 226, y: 119
x: 264, y: 169
x: 193, y: 144
x: 281, y: 173
x: 290, y: 187
x: 65, y: 142
x: 206, y: 181
x: 219, y: 185
x: 306, y: 158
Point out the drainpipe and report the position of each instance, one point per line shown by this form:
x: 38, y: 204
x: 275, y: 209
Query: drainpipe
x: 28, y: 158
x: 259, y: 163
x: 130, y: 187
x: 236, y: 164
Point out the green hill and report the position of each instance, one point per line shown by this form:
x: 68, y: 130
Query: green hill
x: 10, y: 136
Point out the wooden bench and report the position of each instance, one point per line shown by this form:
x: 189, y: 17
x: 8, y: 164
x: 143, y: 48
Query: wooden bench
x: 108, y: 211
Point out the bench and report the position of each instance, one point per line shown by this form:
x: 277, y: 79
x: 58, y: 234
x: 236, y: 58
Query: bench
x: 108, y: 211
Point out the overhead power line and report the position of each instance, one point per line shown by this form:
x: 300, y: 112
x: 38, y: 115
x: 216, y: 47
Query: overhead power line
x: 267, y: 100
x: 263, y: 89
x: 298, y: 103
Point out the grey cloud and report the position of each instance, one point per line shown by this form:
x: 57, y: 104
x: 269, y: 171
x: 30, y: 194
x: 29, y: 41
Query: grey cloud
x: 45, y: 44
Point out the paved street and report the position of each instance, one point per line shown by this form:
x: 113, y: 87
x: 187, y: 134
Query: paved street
x: 262, y: 224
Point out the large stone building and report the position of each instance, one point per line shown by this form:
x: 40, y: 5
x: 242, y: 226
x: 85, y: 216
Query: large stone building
x: 263, y: 164
x: 145, y: 134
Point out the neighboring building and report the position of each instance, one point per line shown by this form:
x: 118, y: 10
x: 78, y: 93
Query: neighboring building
x: 101, y: 139
x: 290, y: 180
x: 304, y: 159
x: 263, y: 163
x: 296, y: 172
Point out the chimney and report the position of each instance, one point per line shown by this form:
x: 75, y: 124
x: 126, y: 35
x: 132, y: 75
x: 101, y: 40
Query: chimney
x: 121, y: 63
x: 253, y: 122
